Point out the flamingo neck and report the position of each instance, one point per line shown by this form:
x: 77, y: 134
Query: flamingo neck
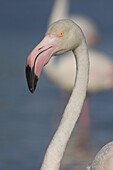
x: 62, y: 7
x: 72, y: 111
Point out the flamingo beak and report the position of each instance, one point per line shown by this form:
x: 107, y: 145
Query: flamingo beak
x: 38, y: 58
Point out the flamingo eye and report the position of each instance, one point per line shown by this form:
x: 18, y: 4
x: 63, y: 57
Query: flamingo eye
x: 60, y: 34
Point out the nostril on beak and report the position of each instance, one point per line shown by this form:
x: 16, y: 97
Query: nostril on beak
x: 40, y: 48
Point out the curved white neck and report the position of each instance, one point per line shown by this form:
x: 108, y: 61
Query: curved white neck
x: 59, y: 11
x: 58, y: 144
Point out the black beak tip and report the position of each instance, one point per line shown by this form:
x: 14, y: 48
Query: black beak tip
x: 31, y: 79
x: 31, y: 90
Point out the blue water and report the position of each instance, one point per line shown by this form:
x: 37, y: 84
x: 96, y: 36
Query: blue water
x: 26, y: 120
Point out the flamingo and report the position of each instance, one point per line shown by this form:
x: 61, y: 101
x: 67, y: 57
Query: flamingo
x: 62, y: 36
x: 101, y: 68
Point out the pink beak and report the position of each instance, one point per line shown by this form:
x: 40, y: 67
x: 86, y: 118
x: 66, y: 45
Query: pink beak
x: 38, y: 58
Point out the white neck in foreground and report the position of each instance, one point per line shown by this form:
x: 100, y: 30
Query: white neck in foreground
x: 58, y: 144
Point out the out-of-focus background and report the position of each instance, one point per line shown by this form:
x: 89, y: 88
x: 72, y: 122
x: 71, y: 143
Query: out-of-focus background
x: 27, y: 122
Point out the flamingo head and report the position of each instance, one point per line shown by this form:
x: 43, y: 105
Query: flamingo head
x: 61, y: 36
